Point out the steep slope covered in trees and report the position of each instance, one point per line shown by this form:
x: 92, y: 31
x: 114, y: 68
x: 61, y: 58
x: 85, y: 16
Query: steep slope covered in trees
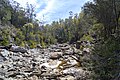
x: 106, y: 53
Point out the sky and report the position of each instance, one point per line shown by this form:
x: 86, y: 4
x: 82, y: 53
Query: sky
x: 53, y: 10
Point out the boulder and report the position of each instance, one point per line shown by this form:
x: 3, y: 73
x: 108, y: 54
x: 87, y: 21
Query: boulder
x: 67, y: 78
x: 78, y: 73
x: 2, y: 78
x: 55, y: 55
x: 2, y: 59
x: 68, y: 52
x: 52, y: 64
x: 18, y: 49
x: 4, y: 55
x: 34, y: 78
x: 65, y: 48
x: 55, y: 50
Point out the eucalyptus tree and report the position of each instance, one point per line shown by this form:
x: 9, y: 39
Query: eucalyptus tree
x: 105, y: 56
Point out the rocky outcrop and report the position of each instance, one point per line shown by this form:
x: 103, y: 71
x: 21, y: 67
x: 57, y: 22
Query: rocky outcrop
x: 57, y: 62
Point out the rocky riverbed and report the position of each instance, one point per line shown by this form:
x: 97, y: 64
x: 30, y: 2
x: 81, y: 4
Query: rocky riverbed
x: 57, y: 62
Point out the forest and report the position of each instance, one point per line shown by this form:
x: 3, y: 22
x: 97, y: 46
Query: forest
x: 97, y: 23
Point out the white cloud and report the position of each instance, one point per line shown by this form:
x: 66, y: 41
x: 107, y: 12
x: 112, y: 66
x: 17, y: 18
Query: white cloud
x: 54, y: 9
x: 51, y: 11
x: 47, y: 9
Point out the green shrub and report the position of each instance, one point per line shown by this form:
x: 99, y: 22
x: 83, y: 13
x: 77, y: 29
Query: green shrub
x: 32, y: 44
x: 106, y: 65
x: 87, y: 37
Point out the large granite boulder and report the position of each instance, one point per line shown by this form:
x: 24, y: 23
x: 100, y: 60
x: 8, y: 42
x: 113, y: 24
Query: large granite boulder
x: 18, y: 49
x: 55, y: 55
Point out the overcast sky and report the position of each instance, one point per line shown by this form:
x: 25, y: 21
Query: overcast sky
x: 54, y: 9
